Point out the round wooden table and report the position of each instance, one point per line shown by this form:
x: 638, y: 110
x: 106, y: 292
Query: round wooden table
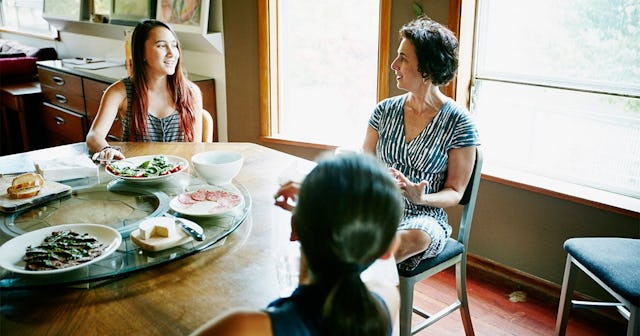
x: 177, y: 297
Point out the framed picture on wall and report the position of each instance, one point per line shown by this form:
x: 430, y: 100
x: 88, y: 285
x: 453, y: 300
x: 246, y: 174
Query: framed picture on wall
x: 130, y: 12
x: 190, y: 16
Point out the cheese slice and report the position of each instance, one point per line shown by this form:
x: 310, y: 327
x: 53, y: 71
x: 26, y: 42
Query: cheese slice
x: 156, y: 229
x: 160, y: 233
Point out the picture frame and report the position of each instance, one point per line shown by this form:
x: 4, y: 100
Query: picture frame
x: 130, y: 12
x: 194, y: 17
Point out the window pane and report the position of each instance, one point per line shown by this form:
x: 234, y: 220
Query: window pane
x: 583, y: 40
x: 557, y: 90
x: 25, y: 16
x: 584, y: 138
x: 327, y: 67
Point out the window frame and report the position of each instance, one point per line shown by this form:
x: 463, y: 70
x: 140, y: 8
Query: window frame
x: 463, y: 15
x: 268, y: 84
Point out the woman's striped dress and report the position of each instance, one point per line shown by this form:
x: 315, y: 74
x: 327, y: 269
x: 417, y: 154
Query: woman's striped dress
x: 425, y: 158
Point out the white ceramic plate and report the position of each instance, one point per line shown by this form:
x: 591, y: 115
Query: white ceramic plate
x: 138, y: 160
x: 12, y: 252
x: 216, y: 202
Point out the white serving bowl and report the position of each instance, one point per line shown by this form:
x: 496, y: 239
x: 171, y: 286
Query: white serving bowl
x: 217, y: 167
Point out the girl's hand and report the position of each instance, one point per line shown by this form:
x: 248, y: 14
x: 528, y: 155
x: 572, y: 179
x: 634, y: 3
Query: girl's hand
x: 414, y: 192
x: 287, y: 195
x: 107, y: 154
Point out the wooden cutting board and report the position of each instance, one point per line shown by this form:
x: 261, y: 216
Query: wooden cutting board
x: 50, y: 190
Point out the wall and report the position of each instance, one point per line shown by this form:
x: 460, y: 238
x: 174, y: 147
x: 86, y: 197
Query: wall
x: 513, y: 227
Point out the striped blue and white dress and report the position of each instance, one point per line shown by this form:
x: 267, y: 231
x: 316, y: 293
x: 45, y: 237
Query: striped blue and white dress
x: 425, y: 158
x: 165, y: 129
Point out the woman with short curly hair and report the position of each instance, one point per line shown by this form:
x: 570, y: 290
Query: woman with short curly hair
x: 426, y: 139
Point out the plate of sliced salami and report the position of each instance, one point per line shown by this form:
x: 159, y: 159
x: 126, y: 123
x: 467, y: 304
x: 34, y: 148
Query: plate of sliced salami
x: 207, y: 202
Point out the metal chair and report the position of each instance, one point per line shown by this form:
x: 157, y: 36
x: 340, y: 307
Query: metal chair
x: 614, y: 264
x: 455, y: 253
x: 207, y: 126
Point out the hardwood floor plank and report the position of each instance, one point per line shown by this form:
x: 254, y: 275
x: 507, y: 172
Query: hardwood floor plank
x: 493, y: 314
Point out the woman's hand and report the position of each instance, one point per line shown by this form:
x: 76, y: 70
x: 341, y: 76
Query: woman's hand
x: 287, y: 195
x: 414, y: 192
x: 108, y: 153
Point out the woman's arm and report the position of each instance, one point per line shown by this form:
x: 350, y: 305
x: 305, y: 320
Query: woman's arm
x: 459, y: 168
x: 370, y: 141
x: 237, y: 323
x: 112, y: 100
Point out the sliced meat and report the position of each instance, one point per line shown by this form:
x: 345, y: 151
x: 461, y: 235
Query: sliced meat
x: 186, y: 199
x: 223, y: 198
x: 199, y: 195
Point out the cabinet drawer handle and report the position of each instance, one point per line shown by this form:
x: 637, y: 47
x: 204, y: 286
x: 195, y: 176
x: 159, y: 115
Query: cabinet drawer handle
x: 61, y: 99
x: 58, y: 80
x: 59, y: 120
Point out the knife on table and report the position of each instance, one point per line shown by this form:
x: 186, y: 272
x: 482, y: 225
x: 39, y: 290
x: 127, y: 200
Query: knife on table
x: 190, y: 231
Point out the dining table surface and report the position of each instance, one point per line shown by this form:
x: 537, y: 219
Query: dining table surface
x: 176, y: 297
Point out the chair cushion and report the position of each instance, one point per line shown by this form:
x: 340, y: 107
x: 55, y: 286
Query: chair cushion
x: 19, y: 68
x: 615, y: 261
x: 451, y: 249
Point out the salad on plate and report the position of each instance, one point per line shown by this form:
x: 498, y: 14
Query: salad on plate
x: 147, y: 168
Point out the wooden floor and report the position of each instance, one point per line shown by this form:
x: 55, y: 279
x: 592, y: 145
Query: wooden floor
x: 494, y: 314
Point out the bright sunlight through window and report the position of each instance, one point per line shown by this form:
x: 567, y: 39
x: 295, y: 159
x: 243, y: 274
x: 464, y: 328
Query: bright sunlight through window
x: 326, y: 70
x: 557, y: 90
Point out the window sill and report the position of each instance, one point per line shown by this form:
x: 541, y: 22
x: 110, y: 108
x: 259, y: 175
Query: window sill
x: 595, y: 198
x: 53, y: 36
x: 296, y: 143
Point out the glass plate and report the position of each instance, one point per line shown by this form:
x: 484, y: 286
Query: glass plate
x: 128, y: 257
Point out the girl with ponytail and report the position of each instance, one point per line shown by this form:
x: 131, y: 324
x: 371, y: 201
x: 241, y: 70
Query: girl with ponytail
x: 347, y: 213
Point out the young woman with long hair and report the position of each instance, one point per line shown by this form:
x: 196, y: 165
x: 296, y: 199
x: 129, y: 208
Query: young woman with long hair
x: 156, y: 102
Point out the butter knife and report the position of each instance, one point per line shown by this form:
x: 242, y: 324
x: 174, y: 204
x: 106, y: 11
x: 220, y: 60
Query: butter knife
x: 190, y: 231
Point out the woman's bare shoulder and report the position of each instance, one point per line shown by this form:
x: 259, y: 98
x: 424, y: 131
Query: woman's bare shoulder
x: 237, y: 322
x: 193, y: 87
x: 117, y: 89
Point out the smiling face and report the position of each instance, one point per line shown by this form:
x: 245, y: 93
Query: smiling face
x: 161, y: 52
x: 405, y: 67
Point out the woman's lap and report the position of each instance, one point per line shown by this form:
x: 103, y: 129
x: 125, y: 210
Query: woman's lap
x: 433, y: 229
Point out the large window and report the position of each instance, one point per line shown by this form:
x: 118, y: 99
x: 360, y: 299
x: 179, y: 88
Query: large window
x: 25, y: 16
x: 556, y: 90
x: 322, y: 70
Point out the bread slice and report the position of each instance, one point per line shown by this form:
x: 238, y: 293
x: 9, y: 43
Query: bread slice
x: 23, y: 193
x: 25, y: 186
x: 27, y: 180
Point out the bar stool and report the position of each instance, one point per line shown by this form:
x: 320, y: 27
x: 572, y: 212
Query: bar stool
x: 614, y: 264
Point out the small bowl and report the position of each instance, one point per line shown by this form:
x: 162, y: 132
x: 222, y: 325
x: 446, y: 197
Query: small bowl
x: 217, y: 167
